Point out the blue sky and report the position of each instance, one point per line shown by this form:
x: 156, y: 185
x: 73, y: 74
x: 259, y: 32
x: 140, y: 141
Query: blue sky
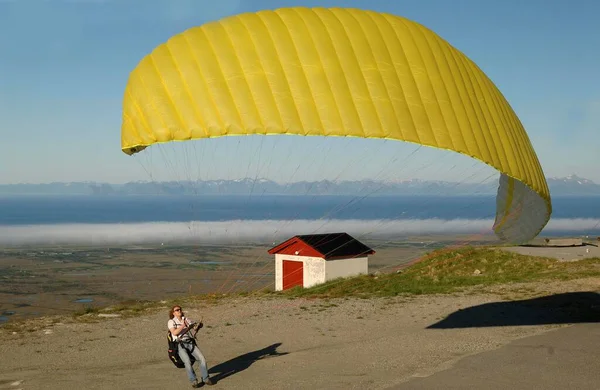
x: 64, y: 66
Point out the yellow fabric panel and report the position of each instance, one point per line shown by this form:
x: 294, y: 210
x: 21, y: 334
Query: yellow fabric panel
x: 332, y: 72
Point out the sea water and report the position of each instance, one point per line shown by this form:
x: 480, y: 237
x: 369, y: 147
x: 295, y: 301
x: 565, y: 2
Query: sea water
x: 58, y: 218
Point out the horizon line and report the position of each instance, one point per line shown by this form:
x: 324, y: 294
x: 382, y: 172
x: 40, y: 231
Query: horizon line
x: 396, y: 181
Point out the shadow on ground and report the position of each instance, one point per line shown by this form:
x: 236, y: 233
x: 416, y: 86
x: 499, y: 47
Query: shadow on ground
x: 242, y: 362
x: 577, y: 307
x: 559, y: 246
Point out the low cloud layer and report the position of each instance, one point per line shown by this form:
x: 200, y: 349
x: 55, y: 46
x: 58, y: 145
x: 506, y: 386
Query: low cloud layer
x: 265, y: 232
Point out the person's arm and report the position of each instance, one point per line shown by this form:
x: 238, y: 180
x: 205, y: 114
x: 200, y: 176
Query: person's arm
x: 177, y: 330
x: 197, y: 327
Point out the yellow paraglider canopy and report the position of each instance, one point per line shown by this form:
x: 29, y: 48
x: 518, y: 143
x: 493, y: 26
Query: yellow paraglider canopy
x: 336, y: 72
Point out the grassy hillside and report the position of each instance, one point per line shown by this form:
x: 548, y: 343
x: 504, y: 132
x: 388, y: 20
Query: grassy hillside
x: 447, y: 270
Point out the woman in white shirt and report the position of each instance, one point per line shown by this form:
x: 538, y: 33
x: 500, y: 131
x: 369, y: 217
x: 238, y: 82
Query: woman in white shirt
x: 181, y: 327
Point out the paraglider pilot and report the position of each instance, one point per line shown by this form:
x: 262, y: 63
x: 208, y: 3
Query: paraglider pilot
x: 181, y: 329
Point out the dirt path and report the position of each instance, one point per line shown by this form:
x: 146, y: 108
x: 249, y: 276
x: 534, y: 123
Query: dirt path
x: 292, y: 344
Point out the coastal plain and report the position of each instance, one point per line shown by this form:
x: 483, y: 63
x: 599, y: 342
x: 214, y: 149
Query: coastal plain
x: 38, y: 281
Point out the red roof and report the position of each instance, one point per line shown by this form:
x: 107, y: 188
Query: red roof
x: 327, y: 246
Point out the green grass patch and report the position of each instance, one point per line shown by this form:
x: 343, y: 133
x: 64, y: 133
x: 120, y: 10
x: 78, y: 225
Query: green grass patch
x: 446, y: 271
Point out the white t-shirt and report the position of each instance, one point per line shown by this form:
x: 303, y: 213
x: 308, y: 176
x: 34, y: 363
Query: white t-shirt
x: 176, y: 323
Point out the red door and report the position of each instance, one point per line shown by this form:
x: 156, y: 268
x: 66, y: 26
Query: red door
x: 292, y: 274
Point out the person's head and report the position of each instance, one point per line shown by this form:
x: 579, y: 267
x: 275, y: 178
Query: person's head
x: 174, y: 311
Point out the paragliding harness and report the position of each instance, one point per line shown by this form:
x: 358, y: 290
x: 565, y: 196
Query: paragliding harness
x: 174, y: 349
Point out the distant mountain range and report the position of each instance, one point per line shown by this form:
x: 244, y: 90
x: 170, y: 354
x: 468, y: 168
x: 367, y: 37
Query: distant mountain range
x: 570, y: 185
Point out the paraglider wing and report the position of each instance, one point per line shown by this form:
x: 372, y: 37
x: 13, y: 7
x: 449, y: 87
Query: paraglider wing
x: 336, y: 72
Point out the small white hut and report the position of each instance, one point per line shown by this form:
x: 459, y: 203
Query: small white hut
x: 308, y: 260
